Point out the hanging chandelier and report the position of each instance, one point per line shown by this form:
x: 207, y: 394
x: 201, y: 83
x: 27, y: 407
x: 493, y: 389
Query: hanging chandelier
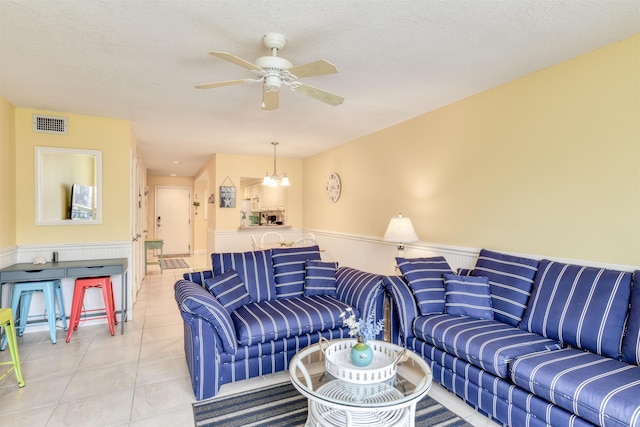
x: 274, y: 180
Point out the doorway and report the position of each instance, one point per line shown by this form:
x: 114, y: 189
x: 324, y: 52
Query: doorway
x: 173, y: 219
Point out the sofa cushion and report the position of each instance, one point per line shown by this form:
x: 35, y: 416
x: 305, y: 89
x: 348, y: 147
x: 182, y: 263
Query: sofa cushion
x: 229, y: 290
x: 603, y: 391
x: 254, y: 268
x: 584, y: 307
x: 198, y: 276
x: 467, y: 296
x: 465, y: 272
x: 487, y: 344
x: 289, y: 269
x: 631, y: 340
x: 511, y: 279
x: 320, y: 278
x: 424, y: 276
x: 287, y: 317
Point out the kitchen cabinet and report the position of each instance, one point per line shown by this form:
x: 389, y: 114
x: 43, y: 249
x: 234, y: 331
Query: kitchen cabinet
x: 264, y: 198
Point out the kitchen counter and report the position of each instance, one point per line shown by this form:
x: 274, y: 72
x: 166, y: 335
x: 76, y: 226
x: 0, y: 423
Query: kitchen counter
x: 262, y: 227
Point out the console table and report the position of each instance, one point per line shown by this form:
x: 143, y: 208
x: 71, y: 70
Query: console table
x: 153, y: 244
x: 27, y: 272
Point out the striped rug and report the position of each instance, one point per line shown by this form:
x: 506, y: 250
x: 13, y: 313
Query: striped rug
x: 173, y: 263
x: 283, y: 406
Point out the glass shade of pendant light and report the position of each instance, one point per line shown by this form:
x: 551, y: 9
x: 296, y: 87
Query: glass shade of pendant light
x: 272, y: 181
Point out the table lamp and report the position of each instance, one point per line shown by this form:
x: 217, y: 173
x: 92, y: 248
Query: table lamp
x: 401, y: 231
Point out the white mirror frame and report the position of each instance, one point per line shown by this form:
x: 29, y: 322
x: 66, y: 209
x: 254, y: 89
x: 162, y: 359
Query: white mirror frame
x: 40, y: 152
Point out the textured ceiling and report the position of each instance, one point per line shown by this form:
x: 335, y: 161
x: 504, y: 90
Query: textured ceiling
x: 140, y: 59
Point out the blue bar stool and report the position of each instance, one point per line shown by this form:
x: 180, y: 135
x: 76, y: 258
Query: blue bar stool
x: 22, y: 293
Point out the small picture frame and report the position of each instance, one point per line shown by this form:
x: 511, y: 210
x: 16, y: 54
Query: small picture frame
x: 227, y: 196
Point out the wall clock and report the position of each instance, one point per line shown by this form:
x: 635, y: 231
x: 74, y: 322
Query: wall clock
x: 334, y: 187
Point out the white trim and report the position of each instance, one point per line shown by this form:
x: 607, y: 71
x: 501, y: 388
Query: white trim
x: 8, y: 256
x: 75, y: 251
x: 371, y: 254
x: 457, y: 256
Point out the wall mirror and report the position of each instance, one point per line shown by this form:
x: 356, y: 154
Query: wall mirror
x: 68, y: 186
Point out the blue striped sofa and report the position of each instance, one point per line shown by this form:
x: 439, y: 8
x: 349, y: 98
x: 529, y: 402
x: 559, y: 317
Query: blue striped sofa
x: 560, y: 345
x: 293, y: 300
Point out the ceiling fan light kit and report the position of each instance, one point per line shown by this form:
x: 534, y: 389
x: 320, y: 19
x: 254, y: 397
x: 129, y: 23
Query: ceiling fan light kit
x: 274, y: 71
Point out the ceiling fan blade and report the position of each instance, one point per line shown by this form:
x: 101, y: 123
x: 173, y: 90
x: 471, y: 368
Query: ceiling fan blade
x: 224, y: 83
x: 270, y: 100
x: 238, y: 61
x: 316, y: 68
x: 319, y: 94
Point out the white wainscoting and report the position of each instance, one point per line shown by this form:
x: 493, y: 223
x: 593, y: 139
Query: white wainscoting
x: 72, y: 252
x: 8, y: 256
x: 370, y: 253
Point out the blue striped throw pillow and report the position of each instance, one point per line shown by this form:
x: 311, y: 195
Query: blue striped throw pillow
x: 424, y: 276
x: 320, y: 278
x: 254, y: 268
x: 467, y: 296
x: 198, y: 276
x: 631, y: 340
x: 289, y: 269
x: 228, y: 290
x: 510, y: 279
x: 584, y: 307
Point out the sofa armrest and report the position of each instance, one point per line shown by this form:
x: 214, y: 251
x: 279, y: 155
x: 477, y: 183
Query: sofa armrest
x: 361, y: 290
x: 405, y: 305
x: 197, y: 301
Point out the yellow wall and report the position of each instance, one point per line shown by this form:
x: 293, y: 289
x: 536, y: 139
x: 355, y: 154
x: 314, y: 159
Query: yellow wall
x: 547, y: 164
x: 113, y: 137
x: 7, y: 175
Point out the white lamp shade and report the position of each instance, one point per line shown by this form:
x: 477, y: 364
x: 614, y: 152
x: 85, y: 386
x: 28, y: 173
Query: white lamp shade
x: 400, y: 230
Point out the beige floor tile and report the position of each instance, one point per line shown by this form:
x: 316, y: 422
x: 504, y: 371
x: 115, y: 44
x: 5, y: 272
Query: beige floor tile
x: 177, y: 418
x: 162, y: 370
x: 102, y: 410
x: 160, y: 349
x: 37, y: 417
x: 91, y: 382
x: 46, y: 350
x: 35, y: 394
x: 39, y: 369
x: 161, y: 398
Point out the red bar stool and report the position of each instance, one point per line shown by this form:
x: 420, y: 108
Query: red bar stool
x: 82, y: 284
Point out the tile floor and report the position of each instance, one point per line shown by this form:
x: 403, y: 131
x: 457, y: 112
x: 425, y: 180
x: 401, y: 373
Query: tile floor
x: 136, y: 379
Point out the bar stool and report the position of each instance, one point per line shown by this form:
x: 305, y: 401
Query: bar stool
x: 82, y: 284
x: 22, y: 293
x: 6, y: 321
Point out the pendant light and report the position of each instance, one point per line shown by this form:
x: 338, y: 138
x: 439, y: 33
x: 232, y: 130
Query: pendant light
x: 272, y: 181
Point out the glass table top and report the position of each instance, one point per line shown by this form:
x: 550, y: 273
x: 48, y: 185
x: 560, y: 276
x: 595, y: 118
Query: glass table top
x: 412, y: 380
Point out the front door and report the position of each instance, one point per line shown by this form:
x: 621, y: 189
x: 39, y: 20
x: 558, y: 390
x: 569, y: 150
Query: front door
x: 173, y: 219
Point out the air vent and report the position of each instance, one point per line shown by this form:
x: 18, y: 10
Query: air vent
x: 50, y: 124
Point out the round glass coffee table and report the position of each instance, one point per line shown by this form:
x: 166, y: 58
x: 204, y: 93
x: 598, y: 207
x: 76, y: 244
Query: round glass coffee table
x: 337, y: 402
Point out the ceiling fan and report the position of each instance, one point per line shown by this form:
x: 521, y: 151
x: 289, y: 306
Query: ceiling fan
x: 274, y: 71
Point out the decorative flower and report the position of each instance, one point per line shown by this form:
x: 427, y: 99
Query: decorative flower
x: 364, y: 329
